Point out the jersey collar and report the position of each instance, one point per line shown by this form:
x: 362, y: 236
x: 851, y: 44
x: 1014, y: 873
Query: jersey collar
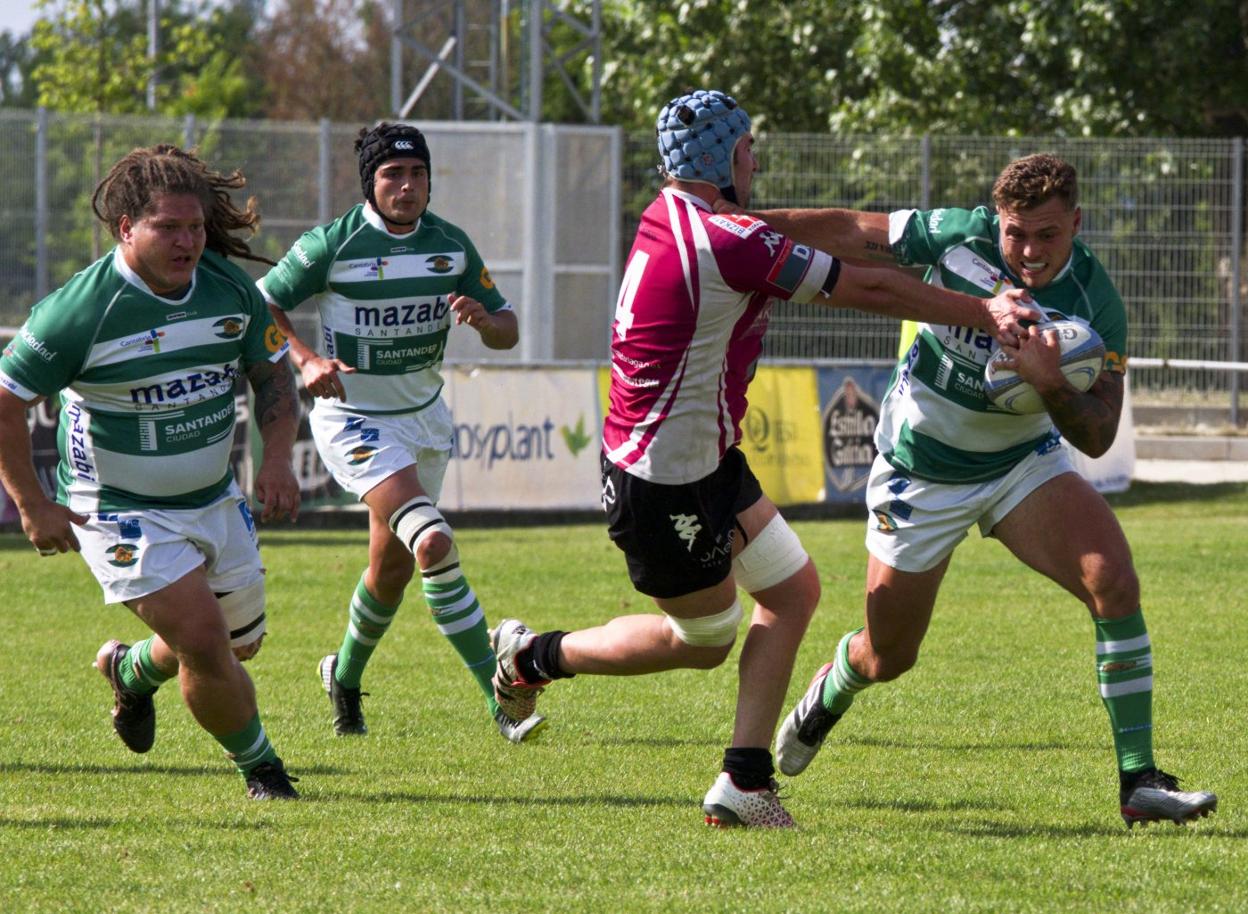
x: 689, y: 198
x: 373, y: 218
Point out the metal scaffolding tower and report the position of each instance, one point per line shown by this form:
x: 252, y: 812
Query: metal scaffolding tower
x: 497, y: 52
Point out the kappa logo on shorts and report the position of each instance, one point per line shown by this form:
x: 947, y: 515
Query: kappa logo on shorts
x: 123, y: 554
x: 608, y: 493
x: 687, y: 528
x: 361, y: 454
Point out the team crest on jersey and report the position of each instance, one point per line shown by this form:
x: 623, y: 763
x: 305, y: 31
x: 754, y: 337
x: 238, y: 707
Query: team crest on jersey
x: 439, y: 263
x: 790, y: 267
x: 738, y: 224
x: 123, y: 554
x: 228, y: 328
x: 361, y: 454
x: 274, y: 339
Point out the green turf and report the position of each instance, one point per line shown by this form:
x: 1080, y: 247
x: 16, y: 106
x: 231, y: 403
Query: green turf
x: 981, y: 781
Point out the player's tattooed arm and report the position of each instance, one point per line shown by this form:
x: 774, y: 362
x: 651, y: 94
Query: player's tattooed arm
x: 274, y: 389
x: 277, y: 417
x: 1089, y: 421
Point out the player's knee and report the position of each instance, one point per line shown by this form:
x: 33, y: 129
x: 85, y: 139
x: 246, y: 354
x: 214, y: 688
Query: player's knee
x: 244, y: 618
x: 774, y: 556
x: 393, y: 571
x: 1113, y: 589
x: 423, y: 530
x: 711, y: 636
x: 433, y: 550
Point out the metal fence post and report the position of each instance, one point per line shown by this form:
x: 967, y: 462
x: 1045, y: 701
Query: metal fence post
x: 1237, y: 256
x: 324, y: 177
x: 925, y: 172
x: 188, y: 131
x: 41, y: 204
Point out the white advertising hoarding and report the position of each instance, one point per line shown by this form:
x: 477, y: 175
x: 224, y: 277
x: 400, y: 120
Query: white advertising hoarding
x: 524, y: 439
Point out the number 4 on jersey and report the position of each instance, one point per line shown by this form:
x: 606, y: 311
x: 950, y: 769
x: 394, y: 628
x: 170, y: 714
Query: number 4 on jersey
x: 628, y: 291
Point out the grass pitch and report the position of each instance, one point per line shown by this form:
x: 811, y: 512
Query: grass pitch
x: 981, y: 781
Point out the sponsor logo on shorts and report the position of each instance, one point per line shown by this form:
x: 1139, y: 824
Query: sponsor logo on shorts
x: 884, y: 523
x: 123, y: 554
x: 687, y: 528
x: 274, y: 339
x: 439, y: 263
x: 229, y: 328
x: 361, y: 454
x: 247, y: 518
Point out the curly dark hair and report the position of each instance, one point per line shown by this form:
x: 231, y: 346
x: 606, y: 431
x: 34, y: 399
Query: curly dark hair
x: 1034, y: 180
x: 133, y: 183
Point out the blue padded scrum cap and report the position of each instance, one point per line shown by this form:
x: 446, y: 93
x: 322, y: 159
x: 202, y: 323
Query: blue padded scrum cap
x: 697, y: 133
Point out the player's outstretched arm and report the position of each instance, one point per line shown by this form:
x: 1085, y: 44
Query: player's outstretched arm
x: 894, y: 294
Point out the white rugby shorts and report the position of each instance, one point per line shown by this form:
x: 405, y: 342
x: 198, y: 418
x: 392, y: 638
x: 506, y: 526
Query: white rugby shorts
x: 913, y: 523
x: 136, y: 553
x: 361, y: 452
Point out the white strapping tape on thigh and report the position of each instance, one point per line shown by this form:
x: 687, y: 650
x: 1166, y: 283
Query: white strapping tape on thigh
x: 709, y: 631
x: 775, y: 555
x: 244, y: 613
x: 416, y: 520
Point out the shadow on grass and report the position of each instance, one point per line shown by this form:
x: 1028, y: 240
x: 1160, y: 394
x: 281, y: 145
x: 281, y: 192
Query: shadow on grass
x: 923, y: 805
x: 388, y: 796
x: 925, y: 745
x: 1207, y: 832
x: 111, y: 823
x: 171, y: 770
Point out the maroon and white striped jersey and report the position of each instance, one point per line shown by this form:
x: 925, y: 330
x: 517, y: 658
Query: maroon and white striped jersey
x: 689, y: 323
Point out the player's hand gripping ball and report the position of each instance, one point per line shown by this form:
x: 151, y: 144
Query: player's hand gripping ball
x: 1082, y: 358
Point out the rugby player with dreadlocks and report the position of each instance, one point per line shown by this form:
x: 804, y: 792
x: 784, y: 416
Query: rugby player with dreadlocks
x: 144, y: 347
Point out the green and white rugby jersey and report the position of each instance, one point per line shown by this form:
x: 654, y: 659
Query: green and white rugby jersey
x: 935, y: 421
x: 146, y: 383
x: 384, y: 302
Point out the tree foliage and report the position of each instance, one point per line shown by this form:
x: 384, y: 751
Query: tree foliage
x: 1071, y: 67
x: 325, y: 59
x: 91, y: 56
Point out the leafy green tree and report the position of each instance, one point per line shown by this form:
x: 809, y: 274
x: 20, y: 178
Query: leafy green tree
x: 91, y: 57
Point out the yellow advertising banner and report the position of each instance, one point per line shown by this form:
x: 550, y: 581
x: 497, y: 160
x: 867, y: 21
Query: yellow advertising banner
x: 780, y: 434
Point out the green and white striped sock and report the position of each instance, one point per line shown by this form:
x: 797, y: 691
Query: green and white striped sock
x: 248, y: 747
x: 368, y: 620
x: 842, y: 683
x: 1124, y: 670
x: 460, y: 619
x: 138, y: 672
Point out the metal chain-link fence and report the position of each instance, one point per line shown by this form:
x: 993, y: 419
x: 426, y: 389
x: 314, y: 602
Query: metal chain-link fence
x: 1165, y: 216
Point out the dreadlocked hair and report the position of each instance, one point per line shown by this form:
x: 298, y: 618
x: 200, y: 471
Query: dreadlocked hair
x: 133, y: 183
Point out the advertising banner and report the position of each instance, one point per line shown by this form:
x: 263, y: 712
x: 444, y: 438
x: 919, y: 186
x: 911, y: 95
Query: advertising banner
x: 524, y: 438
x: 849, y: 410
x: 780, y: 434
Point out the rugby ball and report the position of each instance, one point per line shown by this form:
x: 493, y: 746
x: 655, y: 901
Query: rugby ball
x: 1083, y: 357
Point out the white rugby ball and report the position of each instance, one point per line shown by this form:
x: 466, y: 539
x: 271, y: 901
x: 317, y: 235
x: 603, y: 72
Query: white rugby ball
x: 1083, y: 357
